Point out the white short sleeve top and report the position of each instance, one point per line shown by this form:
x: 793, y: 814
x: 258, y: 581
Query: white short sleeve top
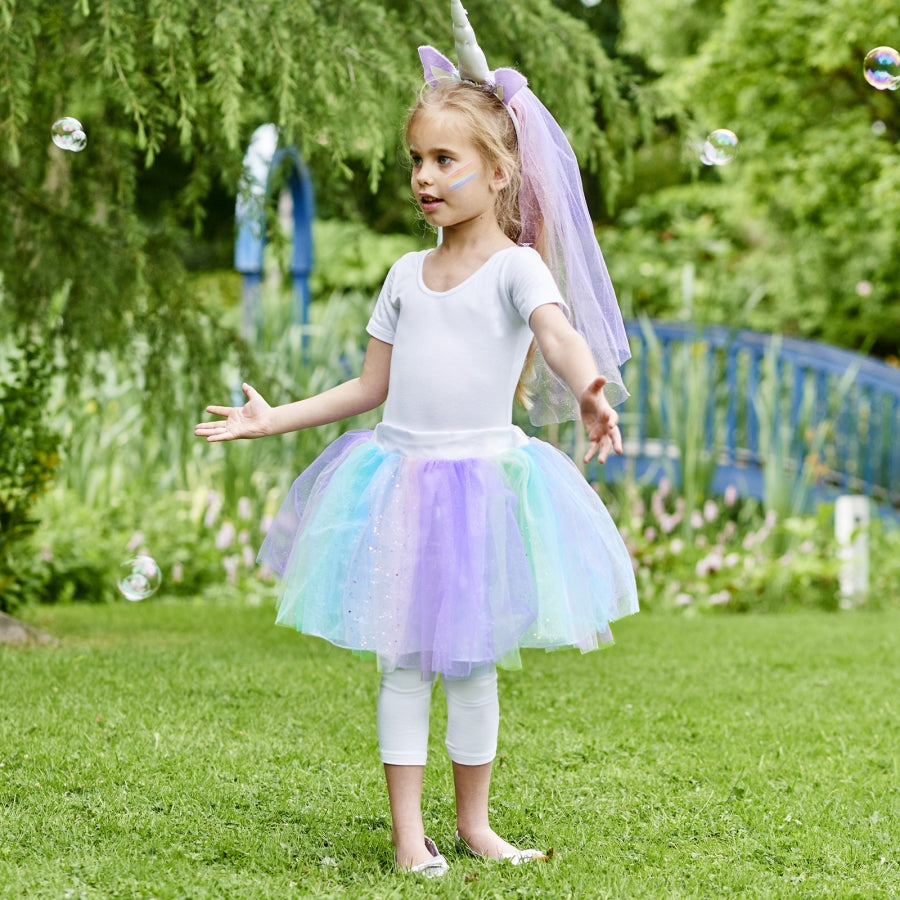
x: 458, y: 354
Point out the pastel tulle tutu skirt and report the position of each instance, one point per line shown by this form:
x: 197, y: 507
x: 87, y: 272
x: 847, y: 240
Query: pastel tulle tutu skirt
x: 443, y: 564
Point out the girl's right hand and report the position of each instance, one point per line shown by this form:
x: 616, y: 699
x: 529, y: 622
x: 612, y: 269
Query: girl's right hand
x: 247, y: 421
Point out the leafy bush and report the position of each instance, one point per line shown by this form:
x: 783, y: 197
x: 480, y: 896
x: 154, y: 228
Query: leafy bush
x: 78, y: 552
x: 30, y: 453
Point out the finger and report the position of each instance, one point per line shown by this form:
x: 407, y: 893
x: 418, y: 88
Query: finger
x: 597, y: 384
x: 617, y: 440
x: 605, y: 445
x: 249, y: 390
x: 219, y: 410
x: 600, y: 446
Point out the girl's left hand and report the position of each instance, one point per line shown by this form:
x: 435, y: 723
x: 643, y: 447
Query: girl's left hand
x: 601, y: 422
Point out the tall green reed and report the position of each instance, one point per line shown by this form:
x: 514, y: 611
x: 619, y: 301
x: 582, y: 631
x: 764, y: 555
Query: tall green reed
x: 793, y: 437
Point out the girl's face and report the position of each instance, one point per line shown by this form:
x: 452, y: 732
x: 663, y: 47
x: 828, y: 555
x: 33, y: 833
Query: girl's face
x: 450, y: 180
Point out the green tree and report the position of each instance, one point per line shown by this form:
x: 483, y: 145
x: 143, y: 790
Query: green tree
x: 188, y: 83
x: 799, y: 233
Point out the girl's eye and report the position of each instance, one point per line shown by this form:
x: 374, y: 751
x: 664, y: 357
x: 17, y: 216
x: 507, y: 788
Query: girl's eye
x: 444, y: 160
x: 416, y: 160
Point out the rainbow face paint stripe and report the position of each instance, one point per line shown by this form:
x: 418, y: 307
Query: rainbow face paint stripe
x: 462, y: 176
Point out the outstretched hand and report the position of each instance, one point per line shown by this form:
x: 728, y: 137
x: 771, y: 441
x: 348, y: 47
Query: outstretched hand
x: 601, y: 422
x: 247, y: 421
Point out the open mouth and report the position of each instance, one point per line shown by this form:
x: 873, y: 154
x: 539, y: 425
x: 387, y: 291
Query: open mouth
x: 426, y: 200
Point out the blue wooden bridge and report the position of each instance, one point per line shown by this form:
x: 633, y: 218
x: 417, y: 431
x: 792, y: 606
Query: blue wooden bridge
x: 755, y: 411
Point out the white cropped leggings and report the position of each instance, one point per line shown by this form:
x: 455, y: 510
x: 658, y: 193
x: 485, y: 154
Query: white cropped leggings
x: 473, y: 718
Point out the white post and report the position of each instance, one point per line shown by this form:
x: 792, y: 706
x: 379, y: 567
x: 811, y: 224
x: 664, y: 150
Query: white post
x: 851, y: 530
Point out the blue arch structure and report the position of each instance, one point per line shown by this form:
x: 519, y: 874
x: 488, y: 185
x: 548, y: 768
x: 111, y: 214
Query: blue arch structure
x: 264, y: 158
x: 757, y: 400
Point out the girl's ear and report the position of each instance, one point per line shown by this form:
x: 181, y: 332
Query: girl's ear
x: 500, y: 180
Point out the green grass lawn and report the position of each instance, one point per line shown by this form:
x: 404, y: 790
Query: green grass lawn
x: 197, y: 751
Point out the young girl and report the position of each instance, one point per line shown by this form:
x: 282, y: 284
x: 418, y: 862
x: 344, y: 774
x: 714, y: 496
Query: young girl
x: 446, y: 540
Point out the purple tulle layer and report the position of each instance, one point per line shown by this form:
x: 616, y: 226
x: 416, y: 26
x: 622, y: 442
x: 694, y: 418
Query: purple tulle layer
x: 447, y: 565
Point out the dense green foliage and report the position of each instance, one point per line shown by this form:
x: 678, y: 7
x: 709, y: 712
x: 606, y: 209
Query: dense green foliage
x: 175, y: 750
x: 799, y: 233
x: 30, y: 452
x: 177, y: 87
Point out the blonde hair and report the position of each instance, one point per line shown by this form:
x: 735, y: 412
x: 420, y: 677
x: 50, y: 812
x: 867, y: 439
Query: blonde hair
x: 493, y: 133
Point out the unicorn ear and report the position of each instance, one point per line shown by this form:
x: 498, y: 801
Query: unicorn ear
x: 437, y: 67
x: 472, y: 63
x: 508, y: 82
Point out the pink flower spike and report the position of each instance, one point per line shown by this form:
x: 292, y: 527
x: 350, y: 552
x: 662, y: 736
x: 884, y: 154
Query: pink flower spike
x: 731, y: 495
x: 212, y: 509
x: 225, y: 537
x: 231, y: 566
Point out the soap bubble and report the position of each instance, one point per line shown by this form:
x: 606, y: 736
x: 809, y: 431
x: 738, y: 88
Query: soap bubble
x: 881, y: 68
x: 719, y: 148
x: 68, y: 134
x: 139, y: 578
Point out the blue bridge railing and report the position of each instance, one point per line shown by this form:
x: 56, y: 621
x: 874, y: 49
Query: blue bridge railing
x: 750, y: 404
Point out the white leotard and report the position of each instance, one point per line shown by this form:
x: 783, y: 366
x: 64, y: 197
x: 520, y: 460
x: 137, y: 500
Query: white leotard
x: 458, y: 354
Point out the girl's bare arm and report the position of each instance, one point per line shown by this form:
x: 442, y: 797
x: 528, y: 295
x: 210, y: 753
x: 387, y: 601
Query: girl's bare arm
x: 567, y: 353
x: 256, y: 418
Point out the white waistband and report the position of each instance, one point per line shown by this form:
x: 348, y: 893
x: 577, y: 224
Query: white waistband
x: 449, y: 444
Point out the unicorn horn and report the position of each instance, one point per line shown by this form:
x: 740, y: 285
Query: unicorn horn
x: 472, y: 63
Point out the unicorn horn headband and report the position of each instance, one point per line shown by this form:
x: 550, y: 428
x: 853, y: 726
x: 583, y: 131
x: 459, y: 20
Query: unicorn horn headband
x: 554, y: 217
x: 473, y: 67
x: 472, y: 63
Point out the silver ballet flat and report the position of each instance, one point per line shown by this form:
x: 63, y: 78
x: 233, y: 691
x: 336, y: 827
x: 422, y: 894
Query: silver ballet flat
x: 431, y: 868
x: 516, y: 858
